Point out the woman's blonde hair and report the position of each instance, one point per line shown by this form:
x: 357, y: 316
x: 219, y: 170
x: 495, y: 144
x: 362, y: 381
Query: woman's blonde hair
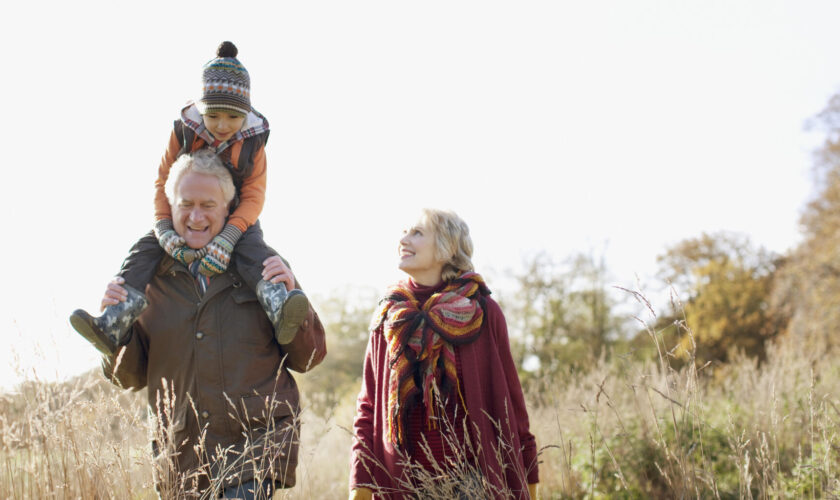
x: 452, y: 241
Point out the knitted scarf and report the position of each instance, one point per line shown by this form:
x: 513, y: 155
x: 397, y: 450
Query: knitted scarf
x: 421, y: 353
x: 201, y: 279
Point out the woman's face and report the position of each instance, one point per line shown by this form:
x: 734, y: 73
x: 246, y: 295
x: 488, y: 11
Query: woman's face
x: 417, y: 254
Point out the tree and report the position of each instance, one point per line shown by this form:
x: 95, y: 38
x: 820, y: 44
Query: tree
x: 346, y: 316
x: 808, y: 290
x: 728, y: 283
x: 563, y: 313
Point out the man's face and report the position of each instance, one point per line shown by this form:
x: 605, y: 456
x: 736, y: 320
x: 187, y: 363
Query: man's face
x: 199, y: 211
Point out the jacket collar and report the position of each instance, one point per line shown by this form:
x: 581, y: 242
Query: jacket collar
x: 229, y: 278
x: 255, y: 124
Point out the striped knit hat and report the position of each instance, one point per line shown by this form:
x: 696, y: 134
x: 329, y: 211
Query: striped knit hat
x: 225, y: 83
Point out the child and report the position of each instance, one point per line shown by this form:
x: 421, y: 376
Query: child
x: 223, y: 121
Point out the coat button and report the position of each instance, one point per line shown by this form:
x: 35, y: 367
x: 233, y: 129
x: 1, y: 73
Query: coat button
x: 199, y: 335
x: 306, y: 323
x: 205, y: 414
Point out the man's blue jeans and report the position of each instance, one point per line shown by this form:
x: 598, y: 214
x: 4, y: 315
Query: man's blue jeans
x: 250, y: 490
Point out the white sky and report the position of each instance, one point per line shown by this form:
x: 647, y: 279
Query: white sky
x: 556, y: 126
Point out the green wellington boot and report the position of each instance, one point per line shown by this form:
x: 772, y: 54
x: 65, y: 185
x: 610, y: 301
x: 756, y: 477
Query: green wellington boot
x: 113, y: 328
x: 286, y: 310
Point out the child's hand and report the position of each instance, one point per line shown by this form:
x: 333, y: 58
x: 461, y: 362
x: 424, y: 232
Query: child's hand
x: 170, y: 241
x: 114, y: 293
x: 186, y: 255
x: 217, y: 258
x: 167, y: 237
x: 219, y: 250
x: 275, y: 271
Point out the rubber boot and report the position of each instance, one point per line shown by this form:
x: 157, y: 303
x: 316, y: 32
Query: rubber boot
x: 286, y: 310
x: 113, y: 329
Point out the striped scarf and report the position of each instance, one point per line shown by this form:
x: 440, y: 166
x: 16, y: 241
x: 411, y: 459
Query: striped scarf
x: 201, y: 280
x: 421, y: 344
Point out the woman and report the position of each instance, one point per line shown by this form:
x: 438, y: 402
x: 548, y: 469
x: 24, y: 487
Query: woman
x: 441, y: 411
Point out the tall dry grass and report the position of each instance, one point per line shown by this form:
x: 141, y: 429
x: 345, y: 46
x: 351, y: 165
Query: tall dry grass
x: 631, y: 429
x: 623, y: 429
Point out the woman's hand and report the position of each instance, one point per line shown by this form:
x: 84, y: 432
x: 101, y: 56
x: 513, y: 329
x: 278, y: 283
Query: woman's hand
x: 114, y: 293
x: 532, y: 491
x: 275, y: 271
x: 360, y: 493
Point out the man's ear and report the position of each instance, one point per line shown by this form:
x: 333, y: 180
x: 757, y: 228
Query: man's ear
x: 233, y: 204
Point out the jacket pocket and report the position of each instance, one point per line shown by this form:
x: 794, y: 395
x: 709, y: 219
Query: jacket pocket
x: 272, y: 436
x: 245, y: 316
x: 243, y: 295
x: 261, y: 409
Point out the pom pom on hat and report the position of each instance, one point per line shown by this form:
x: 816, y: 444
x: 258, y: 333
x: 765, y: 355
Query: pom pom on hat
x: 227, y: 49
x: 226, y: 85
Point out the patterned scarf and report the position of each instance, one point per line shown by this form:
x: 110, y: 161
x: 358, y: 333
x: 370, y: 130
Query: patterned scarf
x: 421, y: 352
x: 192, y: 260
x: 200, y: 279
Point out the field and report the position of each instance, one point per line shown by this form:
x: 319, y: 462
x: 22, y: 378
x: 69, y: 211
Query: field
x: 626, y: 428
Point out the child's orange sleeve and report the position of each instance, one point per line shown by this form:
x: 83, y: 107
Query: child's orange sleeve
x: 162, y: 208
x: 252, y: 194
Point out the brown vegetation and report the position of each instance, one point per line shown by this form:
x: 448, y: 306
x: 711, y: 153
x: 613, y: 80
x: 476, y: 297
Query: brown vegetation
x: 623, y: 427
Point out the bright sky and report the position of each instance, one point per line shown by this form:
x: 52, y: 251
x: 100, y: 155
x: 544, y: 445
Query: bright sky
x: 614, y: 126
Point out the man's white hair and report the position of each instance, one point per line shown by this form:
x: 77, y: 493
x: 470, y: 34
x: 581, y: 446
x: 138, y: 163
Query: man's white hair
x: 204, y: 162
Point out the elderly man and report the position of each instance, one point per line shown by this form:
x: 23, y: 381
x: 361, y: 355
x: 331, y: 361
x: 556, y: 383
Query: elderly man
x: 219, y: 387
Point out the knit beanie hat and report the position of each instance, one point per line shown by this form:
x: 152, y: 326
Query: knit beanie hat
x: 225, y: 83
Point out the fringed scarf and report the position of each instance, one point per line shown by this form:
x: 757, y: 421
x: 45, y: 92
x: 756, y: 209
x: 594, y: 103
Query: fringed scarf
x: 421, y: 352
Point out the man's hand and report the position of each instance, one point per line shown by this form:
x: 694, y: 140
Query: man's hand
x: 114, y: 293
x: 275, y: 271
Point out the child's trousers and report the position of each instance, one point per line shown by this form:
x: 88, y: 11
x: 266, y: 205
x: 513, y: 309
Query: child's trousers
x: 248, y: 256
